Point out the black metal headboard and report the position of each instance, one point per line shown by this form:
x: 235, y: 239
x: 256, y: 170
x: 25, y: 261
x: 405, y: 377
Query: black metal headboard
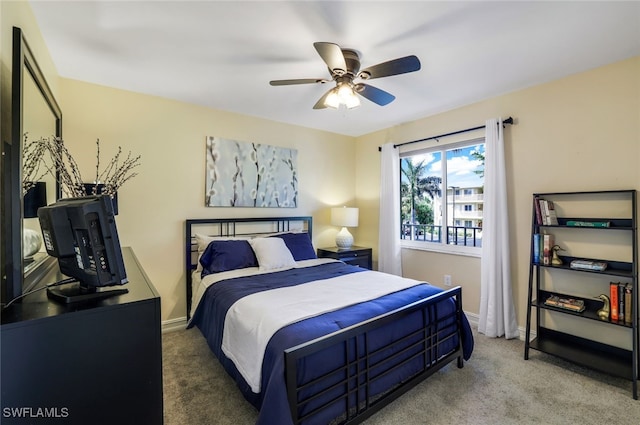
x: 234, y: 227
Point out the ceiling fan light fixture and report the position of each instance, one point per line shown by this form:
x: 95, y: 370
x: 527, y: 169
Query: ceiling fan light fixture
x: 351, y: 101
x: 344, y: 66
x: 342, y: 95
x: 332, y: 100
x: 344, y: 91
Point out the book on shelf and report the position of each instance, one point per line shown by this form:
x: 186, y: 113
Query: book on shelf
x: 547, y: 249
x: 536, y: 248
x: 544, y: 209
x: 551, y: 213
x: 536, y: 206
x: 582, y: 223
x: 628, y: 302
x: 565, y: 303
x: 621, y: 304
x: 613, y: 297
x: 588, y: 265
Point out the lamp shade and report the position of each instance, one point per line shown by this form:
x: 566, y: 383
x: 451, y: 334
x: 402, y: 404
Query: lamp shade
x: 345, y: 217
x: 332, y: 100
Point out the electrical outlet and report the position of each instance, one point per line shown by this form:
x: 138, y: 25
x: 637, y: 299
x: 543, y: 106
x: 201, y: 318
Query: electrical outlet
x: 447, y: 280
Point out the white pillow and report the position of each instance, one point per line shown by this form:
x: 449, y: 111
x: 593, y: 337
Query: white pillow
x: 284, y: 232
x: 272, y: 253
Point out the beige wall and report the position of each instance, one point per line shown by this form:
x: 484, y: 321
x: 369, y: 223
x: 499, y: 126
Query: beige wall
x: 18, y: 13
x: 577, y: 133
x: 170, y: 136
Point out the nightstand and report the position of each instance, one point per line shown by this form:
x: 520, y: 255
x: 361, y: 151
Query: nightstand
x: 356, y: 255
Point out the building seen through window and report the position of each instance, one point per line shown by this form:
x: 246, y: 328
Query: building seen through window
x: 442, y: 194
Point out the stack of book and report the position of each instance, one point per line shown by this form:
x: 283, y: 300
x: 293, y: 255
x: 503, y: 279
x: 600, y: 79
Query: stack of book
x: 597, y: 266
x: 543, y: 248
x: 565, y: 303
x: 545, y: 212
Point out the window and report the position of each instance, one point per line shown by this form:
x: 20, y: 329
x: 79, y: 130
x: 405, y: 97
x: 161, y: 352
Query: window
x: 441, y: 196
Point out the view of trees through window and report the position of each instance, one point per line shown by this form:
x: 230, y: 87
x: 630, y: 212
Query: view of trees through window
x: 442, y: 195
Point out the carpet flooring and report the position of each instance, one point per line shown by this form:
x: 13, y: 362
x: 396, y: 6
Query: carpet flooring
x: 496, y: 386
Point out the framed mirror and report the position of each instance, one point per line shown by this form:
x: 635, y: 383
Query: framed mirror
x: 34, y: 111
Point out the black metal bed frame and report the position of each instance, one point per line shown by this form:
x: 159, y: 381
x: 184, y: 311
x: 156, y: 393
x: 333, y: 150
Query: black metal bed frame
x: 357, y: 375
x: 424, y: 345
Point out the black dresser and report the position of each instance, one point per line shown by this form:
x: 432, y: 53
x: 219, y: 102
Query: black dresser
x: 95, y: 363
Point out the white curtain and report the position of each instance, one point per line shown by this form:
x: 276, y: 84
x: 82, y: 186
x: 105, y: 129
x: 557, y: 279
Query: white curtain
x: 389, y: 258
x: 497, y: 312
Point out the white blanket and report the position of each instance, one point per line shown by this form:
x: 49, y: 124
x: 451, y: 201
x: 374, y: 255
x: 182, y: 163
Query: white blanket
x: 251, y: 321
x: 199, y: 285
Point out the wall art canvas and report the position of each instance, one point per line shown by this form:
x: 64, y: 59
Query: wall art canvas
x: 247, y: 174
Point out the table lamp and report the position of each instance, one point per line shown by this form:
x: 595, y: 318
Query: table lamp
x: 344, y: 217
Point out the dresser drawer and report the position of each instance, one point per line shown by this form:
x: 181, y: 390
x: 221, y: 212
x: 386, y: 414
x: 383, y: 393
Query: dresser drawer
x: 356, y: 256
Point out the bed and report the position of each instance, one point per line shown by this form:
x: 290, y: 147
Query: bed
x: 309, y: 340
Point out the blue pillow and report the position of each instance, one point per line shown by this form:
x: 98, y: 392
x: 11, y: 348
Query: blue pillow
x: 222, y: 256
x: 299, y: 244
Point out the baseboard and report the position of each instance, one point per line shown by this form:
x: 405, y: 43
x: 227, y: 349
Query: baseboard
x: 474, y: 320
x: 173, y: 325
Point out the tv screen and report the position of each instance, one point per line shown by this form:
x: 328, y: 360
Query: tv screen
x: 81, y: 233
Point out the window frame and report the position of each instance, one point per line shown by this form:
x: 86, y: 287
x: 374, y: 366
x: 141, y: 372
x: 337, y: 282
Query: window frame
x: 441, y: 247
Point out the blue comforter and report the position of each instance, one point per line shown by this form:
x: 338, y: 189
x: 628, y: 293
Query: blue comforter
x: 272, y: 400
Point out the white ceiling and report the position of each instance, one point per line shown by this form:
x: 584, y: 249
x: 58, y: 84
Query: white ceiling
x: 222, y: 54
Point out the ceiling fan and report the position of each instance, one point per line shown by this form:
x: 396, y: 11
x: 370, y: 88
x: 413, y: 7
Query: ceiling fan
x: 344, y: 67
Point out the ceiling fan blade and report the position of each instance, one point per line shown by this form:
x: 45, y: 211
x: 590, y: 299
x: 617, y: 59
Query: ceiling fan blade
x: 298, y: 81
x: 332, y: 55
x: 320, y: 103
x: 392, y: 67
x: 374, y: 94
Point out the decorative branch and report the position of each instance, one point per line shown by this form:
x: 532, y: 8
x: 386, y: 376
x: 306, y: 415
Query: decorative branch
x: 97, y: 159
x: 68, y: 172
x: 33, y: 162
x: 70, y: 179
x: 116, y: 174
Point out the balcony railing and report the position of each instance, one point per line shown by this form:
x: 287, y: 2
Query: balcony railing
x: 466, y: 236
x: 421, y: 232
x: 456, y: 235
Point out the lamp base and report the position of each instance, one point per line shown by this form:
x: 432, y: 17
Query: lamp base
x: 344, y: 239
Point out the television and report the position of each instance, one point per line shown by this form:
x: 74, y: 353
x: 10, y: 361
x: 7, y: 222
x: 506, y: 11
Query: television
x: 81, y: 233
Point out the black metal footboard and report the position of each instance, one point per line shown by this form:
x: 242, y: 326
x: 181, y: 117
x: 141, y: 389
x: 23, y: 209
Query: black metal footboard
x: 374, y: 374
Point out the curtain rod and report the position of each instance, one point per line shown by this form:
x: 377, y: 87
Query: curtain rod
x: 506, y: 121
